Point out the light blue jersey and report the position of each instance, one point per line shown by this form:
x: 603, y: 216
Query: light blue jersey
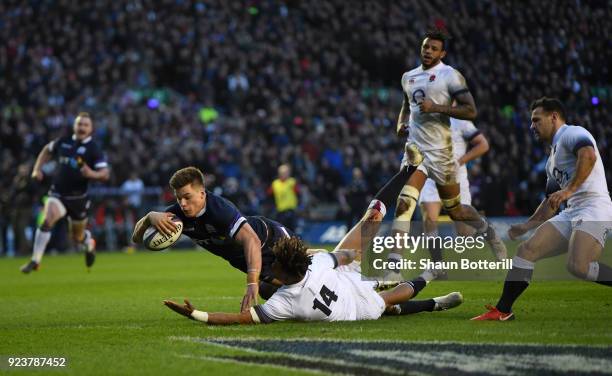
x: 561, y: 164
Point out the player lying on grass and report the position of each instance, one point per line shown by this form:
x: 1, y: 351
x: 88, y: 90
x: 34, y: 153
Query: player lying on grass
x: 214, y: 223
x: 576, y: 174
x: 321, y: 287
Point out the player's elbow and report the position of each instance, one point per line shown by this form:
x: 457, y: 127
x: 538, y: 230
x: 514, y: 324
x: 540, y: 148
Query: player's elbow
x: 484, y: 146
x: 105, y: 175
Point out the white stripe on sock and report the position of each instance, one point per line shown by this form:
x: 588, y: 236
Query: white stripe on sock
x: 520, y: 262
x: 593, y: 272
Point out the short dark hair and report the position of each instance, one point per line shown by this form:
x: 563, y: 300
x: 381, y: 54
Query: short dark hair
x: 438, y: 34
x: 549, y: 105
x: 185, y: 176
x: 291, y: 254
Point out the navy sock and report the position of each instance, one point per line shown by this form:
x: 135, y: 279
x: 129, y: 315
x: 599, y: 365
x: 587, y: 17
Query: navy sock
x: 417, y: 284
x: 605, y: 275
x: 416, y: 306
x: 516, y: 282
x: 436, y: 253
x: 389, y: 193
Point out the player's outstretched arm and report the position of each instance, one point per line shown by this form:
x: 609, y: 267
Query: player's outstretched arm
x: 216, y: 318
x: 43, y: 157
x: 543, y: 213
x: 252, y: 253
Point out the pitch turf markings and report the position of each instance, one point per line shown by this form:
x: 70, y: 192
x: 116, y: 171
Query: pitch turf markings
x: 293, y: 361
x: 395, y: 357
x: 245, y: 360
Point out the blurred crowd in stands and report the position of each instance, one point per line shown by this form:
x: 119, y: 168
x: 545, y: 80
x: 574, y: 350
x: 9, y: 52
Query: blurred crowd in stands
x: 239, y: 87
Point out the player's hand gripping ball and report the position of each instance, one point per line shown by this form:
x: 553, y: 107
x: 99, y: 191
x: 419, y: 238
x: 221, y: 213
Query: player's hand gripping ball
x: 157, y: 241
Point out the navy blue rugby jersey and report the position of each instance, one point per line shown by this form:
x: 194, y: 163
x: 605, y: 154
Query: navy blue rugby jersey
x: 215, y: 229
x: 71, y: 154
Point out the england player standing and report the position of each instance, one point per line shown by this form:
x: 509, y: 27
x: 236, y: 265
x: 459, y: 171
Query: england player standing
x: 429, y: 91
x: 79, y: 161
x: 468, y: 144
x: 215, y: 223
x: 575, y: 174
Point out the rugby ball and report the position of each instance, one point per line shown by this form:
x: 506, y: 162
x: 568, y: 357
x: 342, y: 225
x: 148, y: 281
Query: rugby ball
x: 156, y: 241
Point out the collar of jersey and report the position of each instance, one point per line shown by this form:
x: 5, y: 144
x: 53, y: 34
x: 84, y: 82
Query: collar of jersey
x: 438, y: 66
x: 82, y: 142
x: 201, y: 212
x: 558, y: 134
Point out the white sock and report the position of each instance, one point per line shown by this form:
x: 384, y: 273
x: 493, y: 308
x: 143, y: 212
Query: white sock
x: 394, y: 256
x: 41, y: 239
x: 593, y: 272
x: 428, y: 276
x: 86, y: 241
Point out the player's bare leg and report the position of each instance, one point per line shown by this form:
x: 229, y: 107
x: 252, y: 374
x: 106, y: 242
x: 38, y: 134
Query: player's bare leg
x: 545, y: 242
x: 431, y: 213
x: 362, y: 233
x: 84, y: 241
x: 404, y: 210
x: 464, y: 230
x: 584, y: 251
x: 360, y: 236
x: 53, y: 211
x: 451, y: 200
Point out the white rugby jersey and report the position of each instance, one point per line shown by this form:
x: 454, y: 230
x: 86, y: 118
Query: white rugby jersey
x: 561, y: 164
x: 431, y: 131
x: 325, y: 294
x: 462, y: 132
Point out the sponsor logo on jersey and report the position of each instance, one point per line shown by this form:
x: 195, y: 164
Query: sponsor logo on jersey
x: 81, y: 150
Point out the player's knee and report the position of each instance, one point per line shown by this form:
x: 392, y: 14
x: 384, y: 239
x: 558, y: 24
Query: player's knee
x: 53, y: 212
x: 78, y: 236
x: 527, y: 251
x: 577, y: 267
x: 430, y: 224
x: 46, y: 226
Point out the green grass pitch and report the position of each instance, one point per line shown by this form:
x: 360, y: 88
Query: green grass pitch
x: 112, y: 321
